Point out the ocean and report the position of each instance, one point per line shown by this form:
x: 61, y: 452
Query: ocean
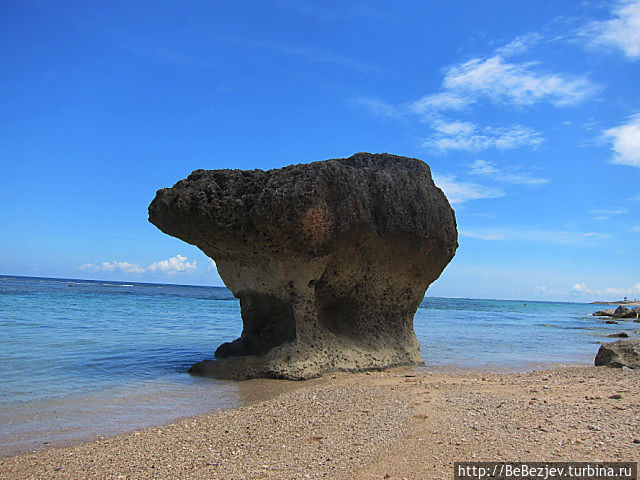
x: 81, y: 358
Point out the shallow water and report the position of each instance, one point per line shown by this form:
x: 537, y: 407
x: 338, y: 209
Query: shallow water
x: 509, y: 335
x: 80, y: 358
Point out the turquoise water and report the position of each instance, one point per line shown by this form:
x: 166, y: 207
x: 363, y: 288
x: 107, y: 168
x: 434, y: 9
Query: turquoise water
x: 79, y: 358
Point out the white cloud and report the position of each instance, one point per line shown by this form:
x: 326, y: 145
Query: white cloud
x: 622, y: 32
x: 483, y: 234
x: 467, y: 136
x: 125, y: 267
x: 533, y: 235
x: 582, y: 288
x: 625, y: 142
x: 516, y: 83
x: 596, y: 235
x: 173, y: 265
x: 635, y: 229
x: 460, y: 192
x: 177, y: 264
x: 491, y: 170
x: 632, y: 290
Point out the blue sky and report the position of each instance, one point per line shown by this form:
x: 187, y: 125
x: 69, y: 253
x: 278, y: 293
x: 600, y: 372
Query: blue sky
x: 527, y: 112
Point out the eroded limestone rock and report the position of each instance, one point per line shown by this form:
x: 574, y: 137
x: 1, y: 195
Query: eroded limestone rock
x: 329, y: 260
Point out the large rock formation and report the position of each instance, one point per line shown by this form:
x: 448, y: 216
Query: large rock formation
x: 330, y: 260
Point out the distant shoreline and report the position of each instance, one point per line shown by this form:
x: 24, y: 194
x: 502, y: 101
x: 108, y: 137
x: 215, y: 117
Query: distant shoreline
x: 634, y: 303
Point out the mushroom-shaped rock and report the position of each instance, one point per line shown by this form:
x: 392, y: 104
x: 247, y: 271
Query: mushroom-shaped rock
x: 329, y: 260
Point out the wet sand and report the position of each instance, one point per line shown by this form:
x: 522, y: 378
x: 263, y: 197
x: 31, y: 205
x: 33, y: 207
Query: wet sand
x: 403, y: 423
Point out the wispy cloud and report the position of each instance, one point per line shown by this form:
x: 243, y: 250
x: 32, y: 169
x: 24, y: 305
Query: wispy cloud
x: 498, y: 79
x: 460, y: 192
x: 606, y: 213
x: 308, y: 53
x: 520, y: 44
x: 635, y: 229
x: 177, y: 264
x: 625, y: 142
x: 622, y: 32
x: 125, y: 267
x: 533, y: 235
x: 437, y: 102
x: 519, y: 84
x: 379, y: 108
x: 502, y: 80
x: 467, y: 136
x: 504, y: 175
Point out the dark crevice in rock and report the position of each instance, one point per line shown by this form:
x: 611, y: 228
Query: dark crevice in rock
x: 268, y: 321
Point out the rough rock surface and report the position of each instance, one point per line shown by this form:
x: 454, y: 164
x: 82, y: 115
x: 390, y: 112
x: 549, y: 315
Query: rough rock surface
x: 622, y: 353
x: 623, y: 312
x: 329, y: 260
x: 620, y: 312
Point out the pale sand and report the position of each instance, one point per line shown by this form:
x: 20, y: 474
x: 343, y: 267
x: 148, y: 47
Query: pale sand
x: 404, y: 423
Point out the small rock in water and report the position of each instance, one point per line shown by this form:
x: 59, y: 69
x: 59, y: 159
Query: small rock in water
x: 619, y: 335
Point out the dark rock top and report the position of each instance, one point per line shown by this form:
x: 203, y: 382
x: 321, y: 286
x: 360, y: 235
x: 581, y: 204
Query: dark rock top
x: 305, y: 208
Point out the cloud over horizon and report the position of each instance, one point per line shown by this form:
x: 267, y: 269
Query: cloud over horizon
x: 177, y: 264
x: 582, y: 288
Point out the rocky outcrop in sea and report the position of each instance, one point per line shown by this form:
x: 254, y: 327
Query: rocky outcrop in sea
x: 620, y: 312
x: 329, y: 260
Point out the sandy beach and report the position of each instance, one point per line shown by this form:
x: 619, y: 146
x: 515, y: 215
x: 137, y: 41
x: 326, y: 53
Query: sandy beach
x: 404, y: 423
